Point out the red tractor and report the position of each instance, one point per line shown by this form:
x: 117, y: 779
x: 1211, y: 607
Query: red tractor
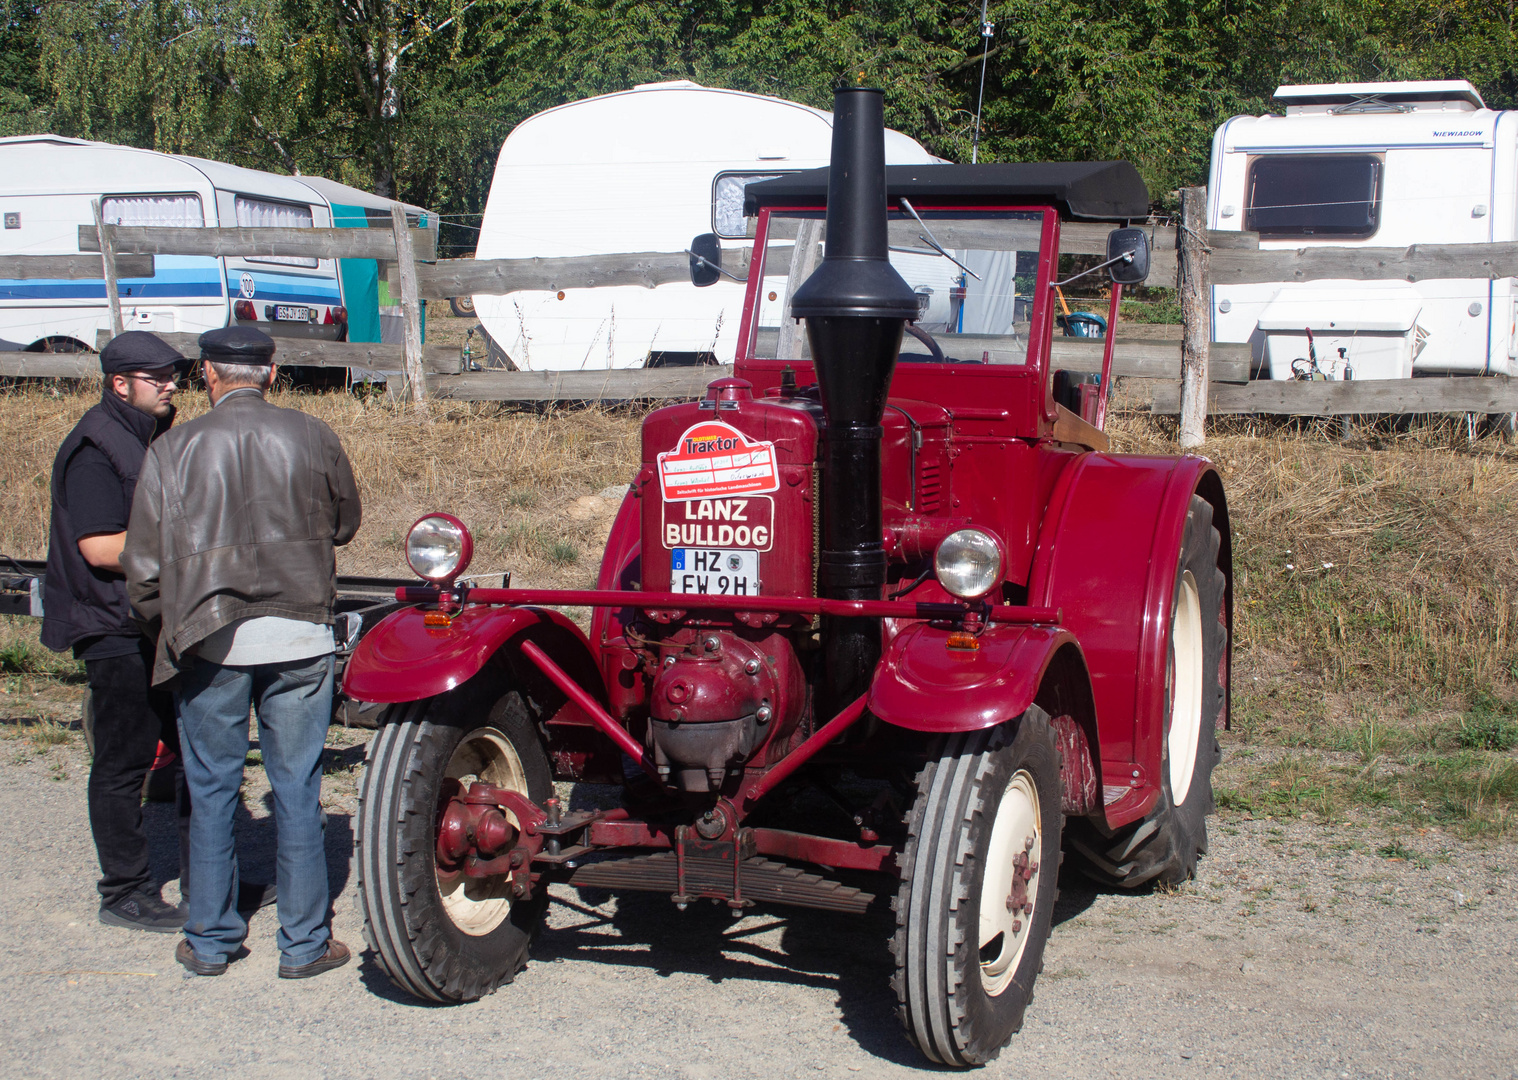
x: 913, y: 588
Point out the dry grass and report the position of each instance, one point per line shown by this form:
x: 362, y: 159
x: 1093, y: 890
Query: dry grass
x: 1377, y: 581
x: 530, y: 484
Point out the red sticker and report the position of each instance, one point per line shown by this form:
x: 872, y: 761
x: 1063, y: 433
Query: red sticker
x: 714, y: 460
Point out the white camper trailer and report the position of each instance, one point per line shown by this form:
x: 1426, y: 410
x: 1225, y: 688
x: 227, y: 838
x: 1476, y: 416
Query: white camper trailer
x: 642, y: 170
x: 1370, y: 165
x: 47, y: 186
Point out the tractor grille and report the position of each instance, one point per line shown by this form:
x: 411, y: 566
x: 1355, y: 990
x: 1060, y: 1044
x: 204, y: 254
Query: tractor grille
x: 929, y: 485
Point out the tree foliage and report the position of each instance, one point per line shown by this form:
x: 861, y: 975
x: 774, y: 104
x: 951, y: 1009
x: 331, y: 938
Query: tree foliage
x: 413, y: 97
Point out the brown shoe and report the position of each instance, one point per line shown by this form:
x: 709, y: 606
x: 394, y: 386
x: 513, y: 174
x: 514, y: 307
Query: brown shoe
x: 186, y: 956
x: 336, y: 956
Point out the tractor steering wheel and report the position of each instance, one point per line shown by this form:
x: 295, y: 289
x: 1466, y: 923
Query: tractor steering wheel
x: 934, y: 349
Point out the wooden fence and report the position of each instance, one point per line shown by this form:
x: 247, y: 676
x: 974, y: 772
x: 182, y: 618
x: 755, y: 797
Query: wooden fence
x: 1193, y: 375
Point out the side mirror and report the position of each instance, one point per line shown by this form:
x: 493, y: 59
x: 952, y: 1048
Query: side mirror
x: 706, y: 260
x: 1128, y: 254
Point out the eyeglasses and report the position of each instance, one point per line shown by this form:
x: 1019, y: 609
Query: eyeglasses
x: 157, y: 380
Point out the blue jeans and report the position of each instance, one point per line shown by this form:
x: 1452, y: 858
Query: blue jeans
x: 294, y: 705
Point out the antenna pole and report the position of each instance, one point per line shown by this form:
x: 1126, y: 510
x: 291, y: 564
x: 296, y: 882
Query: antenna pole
x: 986, y: 30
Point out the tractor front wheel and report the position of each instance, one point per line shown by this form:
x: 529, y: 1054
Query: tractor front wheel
x: 441, y: 935
x: 978, y: 884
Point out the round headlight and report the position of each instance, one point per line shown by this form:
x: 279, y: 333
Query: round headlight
x: 438, y: 547
x: 968, y: 563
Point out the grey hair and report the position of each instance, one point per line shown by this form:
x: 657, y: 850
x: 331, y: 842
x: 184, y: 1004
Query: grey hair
x: 234, y: 375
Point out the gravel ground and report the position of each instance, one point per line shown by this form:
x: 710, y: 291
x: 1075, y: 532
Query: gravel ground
x: 1301, y: 951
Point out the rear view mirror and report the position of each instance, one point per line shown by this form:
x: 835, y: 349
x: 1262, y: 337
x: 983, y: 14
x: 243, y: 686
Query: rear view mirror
x: 705, y: 260
x: 1128, y: 255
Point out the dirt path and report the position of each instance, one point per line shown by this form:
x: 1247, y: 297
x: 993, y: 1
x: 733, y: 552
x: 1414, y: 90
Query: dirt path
x: 1301, y: 951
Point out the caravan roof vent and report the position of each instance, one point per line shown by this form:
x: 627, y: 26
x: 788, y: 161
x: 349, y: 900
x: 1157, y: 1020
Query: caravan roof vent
x: 1358, y: 99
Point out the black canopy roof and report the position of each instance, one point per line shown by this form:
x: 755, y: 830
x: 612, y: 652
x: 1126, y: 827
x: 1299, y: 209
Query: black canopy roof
x: 1093, y: 190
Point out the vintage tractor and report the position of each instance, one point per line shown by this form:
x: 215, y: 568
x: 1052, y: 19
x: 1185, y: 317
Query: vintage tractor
x: 902, y: 615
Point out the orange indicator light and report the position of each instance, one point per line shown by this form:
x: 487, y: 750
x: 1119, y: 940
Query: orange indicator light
x: 962, y: 639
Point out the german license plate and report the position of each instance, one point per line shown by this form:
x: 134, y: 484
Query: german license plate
x: 714, y: 571
x: 284, y: 313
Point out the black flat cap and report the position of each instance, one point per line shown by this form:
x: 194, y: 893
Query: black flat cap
x: 138, y: 350
x: 237, y: 345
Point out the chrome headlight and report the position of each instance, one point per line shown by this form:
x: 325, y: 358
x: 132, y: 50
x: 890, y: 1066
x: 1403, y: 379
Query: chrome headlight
x: 968, y: 563
x: 439, y: 547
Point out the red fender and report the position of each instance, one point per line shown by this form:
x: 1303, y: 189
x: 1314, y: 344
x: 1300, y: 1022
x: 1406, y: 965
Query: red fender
x: 402, y: 659
x: 1106, y: 557
x: 923, y: 685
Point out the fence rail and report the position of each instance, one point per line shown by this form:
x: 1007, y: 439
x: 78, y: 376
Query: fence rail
x: 1216, y: 386
x: 310, y: 243
x: 70, y: 267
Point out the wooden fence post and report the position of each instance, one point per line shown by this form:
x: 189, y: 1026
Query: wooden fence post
x: 108, y: 261
x: 411, y: 310
x: 1196, y: 316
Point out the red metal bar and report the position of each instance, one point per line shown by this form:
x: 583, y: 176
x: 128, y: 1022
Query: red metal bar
x: 803, y: 753
x: 599, y: 716
x: 1105, y: 387
x: 795, y: 605
x: 838, y: 854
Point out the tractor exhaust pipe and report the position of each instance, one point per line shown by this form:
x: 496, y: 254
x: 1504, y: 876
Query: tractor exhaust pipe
x: 856, y: 306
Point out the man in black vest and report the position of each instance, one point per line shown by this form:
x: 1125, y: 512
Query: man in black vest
x: 86, y: 610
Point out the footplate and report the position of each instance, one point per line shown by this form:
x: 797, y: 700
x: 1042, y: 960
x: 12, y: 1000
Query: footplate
x: 762, y: 881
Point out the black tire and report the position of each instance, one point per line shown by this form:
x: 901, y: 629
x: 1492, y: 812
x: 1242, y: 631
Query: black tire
x: 455, y: 947
x: 463, y: 306
x: 1163, y: 846
x: 959, y: 1003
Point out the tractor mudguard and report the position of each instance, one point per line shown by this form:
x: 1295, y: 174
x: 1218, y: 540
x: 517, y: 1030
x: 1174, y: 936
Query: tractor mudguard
x: 402, y: 659
x: 924, y: 685
x: 1106, y: 557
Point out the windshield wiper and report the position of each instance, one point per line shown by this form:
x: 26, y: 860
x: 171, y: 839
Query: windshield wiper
x: 933, y: 243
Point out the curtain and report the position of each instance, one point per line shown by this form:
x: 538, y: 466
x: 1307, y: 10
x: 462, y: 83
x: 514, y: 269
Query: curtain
x: 264, y: 214
x: 163, y: 210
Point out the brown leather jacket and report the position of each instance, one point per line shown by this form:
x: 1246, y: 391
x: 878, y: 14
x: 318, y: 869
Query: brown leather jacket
x: 236, y: 515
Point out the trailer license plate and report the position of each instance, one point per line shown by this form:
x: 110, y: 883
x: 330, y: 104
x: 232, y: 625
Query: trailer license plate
x: 715, y: 571
x: 282, y: 313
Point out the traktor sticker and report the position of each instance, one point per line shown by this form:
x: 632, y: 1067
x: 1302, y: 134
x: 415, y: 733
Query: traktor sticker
x: 713, y: 460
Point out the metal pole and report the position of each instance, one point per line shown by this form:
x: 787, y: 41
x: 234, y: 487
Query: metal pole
x: 1196, y: 316
x: 986, y: 30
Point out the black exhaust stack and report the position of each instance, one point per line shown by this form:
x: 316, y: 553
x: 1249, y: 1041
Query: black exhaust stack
x: 855, y: 306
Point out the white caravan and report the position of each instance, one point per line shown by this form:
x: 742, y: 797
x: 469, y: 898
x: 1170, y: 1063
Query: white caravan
x: 642, y: 170
x: 47, y: 185
x: 1370, y: 165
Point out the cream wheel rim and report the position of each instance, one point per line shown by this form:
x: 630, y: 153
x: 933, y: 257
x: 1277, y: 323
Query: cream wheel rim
x: 479, y: 905
x: 1009, y: 890
x: 1185, y: 689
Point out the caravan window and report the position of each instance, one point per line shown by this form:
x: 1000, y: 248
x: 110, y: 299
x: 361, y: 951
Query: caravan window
x: 728, y: 221
x: 1314, y: 195
x: 181, y: 211
x: 267, y: 214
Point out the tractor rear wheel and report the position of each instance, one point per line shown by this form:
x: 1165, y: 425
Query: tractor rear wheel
x: 1163, y: 846
x: 978, y: 883
x: 444, y: 936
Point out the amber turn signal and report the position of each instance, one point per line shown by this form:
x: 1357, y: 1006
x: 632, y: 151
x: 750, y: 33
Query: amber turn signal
x: 963, y: 639
x: 437, y: 618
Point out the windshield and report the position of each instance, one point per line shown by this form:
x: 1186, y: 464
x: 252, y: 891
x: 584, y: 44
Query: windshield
x: 974, y: 273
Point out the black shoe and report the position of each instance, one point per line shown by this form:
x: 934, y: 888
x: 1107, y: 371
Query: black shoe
x: 141, y: 911
x: 336, y: 956
x: 252, y: 895
x: 186, y: 956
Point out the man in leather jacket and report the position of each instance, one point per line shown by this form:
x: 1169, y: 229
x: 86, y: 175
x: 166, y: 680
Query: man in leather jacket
x: 85, y: 605
x: 229, y: 556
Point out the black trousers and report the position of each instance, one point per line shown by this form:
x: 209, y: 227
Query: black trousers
x: 130, y: 719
